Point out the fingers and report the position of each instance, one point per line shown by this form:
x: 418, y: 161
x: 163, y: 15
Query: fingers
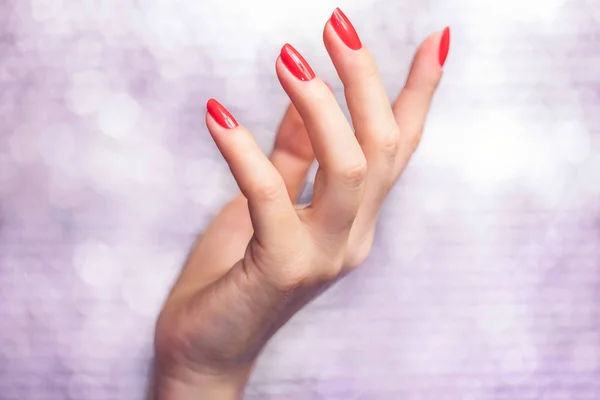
x: 270, y: 207
x: 388, y: 135
x: 365, y: 94
x: 369, y: 106
x: 339, y: 185
x: 292, y: 154
x: 412, y: 105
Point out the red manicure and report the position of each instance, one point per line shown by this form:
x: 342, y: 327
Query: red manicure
x: 220, y: 114
x: 343, y: 27
x: 444, y: 46
x: 296, y: 64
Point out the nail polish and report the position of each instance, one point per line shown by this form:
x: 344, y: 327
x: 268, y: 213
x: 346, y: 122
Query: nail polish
x: 220, y: 114
x: 444, y: 46
x: 343, y: 27
x: 296, y: 64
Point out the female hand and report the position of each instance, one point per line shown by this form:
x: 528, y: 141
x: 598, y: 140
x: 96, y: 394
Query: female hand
x: 263, y: 258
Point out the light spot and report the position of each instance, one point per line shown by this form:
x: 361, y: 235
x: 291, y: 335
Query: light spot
x: 572, y: 141
x: 83, y: 386
x: 56, y: 145
x: 87, y: 91
x: 533, y: 11
x: 150, y: 164
x: 22, y: 145
x: 503, y: 153
x: 46, y: 9
x: 64, y: 191
x: 180, y: 65
x: 591, y: 176
x: 17, y: 347
x: 89, y: 52
x: 104, y: 169
x: 205, y: 173
x: 585, y: 354
x: 496, y: 320
x: 97, y: 264
x: 8, y: 174
x: 146, y: 286
x: 517, y: 362
x: 119, y: 115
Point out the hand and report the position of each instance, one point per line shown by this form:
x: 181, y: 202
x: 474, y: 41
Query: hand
x: 264, y: 258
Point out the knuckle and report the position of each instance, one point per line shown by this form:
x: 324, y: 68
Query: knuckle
x: 420, y: 90
x: 366, y: 73
x: 321, y: 95
x: 369, y: 70
x: 389, y: 142
x: 280, y: 274
x: 269, y: 190
x: 354, y: 175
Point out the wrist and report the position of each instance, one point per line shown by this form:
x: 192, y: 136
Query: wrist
x: 170, y: 389
x: 199, y: 387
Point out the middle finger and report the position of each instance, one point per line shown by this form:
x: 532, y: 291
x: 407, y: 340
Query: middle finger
x: 342, y: 164
x: 368, y: 103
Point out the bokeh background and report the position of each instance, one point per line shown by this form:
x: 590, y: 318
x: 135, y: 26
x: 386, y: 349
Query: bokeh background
x: 484, y: 282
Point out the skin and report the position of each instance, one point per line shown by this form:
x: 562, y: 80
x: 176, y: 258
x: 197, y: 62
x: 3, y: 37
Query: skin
x: 262, y: 258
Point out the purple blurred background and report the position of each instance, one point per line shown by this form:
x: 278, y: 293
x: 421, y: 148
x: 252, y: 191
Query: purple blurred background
x: 485, y: 278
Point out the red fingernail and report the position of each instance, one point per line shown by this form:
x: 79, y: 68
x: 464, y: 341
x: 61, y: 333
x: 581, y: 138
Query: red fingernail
x: 444, y: 46
x: 296, y: 63
x: 343, y: 27
x: 220, y: 114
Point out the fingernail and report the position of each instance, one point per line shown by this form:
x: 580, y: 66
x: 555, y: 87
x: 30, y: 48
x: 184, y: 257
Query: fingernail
x: 444, y: 46
x: 220, y: 114
x: 343, y: 27
x: 296, y: 64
